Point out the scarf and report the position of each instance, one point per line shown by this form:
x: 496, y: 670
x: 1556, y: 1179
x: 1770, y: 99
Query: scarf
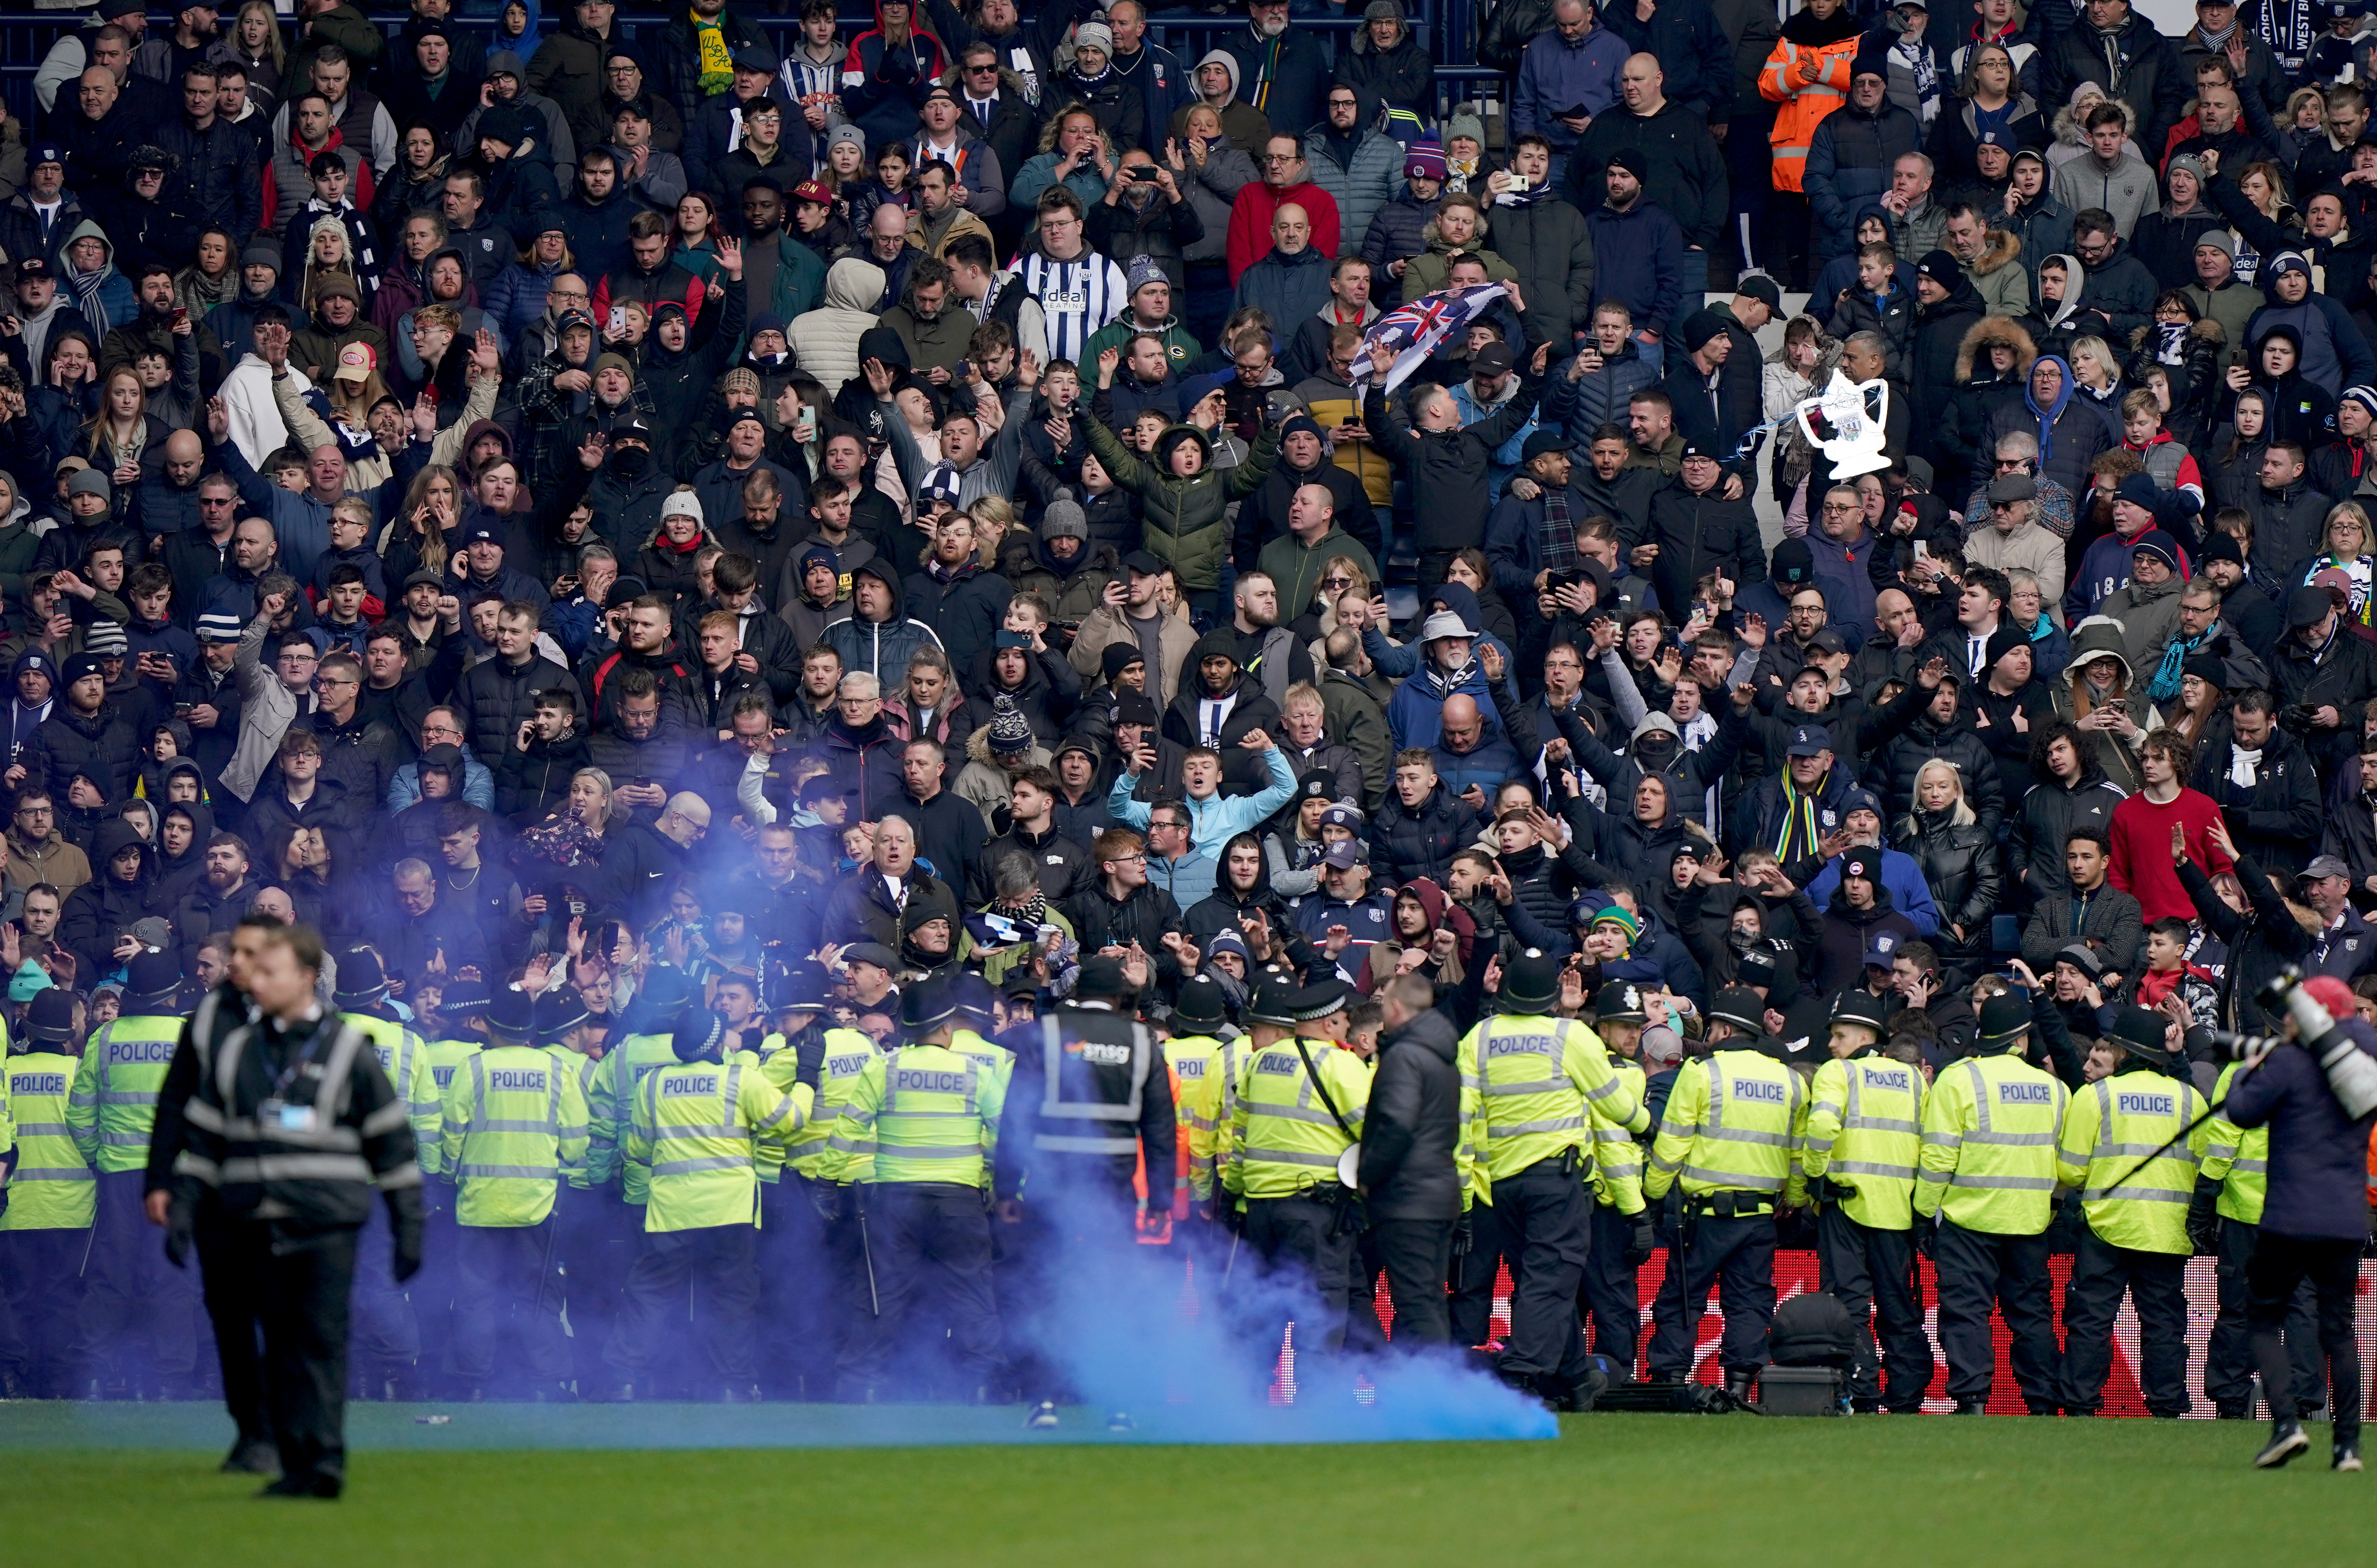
x: 87, y: 287
x: 1799, y: 821
x: 2171, y: 342
x: 1528, y: 198
x: 1558, y: 535
x: 717, y: 60
x: 2048, y: 416
x: 1926, y: 69
x: 2165, y: 684
x: 2217, y: 42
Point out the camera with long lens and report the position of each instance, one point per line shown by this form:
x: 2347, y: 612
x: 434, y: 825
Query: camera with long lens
x: 2351, y: 1073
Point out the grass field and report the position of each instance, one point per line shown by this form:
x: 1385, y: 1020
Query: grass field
x: 1646, y: 1490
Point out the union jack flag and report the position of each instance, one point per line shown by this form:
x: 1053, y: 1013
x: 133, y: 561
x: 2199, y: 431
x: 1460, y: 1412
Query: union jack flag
x: 1413, y: 331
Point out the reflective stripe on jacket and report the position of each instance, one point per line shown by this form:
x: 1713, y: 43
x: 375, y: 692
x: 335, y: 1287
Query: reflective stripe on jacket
x: 114, y: 1101
x: 1731, y: 1125
x: 2110, y: 1127
x: 1804, y: 105
x: 1865, y: 1130
x: 1990, y: 1131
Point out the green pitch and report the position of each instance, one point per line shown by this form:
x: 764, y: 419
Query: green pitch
x: 1663, y: 1491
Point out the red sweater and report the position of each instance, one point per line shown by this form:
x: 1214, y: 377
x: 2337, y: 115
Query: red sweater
x: 2142, y: 864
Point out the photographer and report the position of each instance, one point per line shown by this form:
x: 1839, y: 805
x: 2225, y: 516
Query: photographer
x: 2315, y: 1221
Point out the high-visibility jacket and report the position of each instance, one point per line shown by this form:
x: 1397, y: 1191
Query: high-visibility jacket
x: 692, y: 1132
x: 811, y: 1151
x: 2237, y: 1158
x: 1989, y: 1129
x: 1617, y: 1158
x: 989, y: 1055
x: 625, y: 1068
x: 514, y: 1129
x: 441, y: 1059
x: 925, y: 1113
x: 1207, y: 1070
x: 589, y: 1073
x: 1540, y: 1080
x: 1803, y: 104
x: 113, y: 1105
x: 1865, y: 1130
x: 1283, y: 1139
x: 404, y: 1058
x: 2111, y: 1125
x: 53, y: 1187
x: 1731, y: 1125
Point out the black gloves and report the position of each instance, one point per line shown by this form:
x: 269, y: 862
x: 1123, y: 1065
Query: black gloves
x: 1232, y: 1217
x: 810, y: 1071
x: 180, y: 1223
x: 1641, y: 1242
x: 825, y: 1197
x: 1925, y: 1230
x: 1465, y: 1235
x: 2203, y: 1217
x: 406, y: 1219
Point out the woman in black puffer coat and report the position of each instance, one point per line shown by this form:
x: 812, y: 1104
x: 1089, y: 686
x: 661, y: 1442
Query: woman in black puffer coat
x: 1961, y: 863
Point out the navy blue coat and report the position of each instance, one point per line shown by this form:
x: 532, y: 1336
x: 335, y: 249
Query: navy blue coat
x: 2318, y: 1178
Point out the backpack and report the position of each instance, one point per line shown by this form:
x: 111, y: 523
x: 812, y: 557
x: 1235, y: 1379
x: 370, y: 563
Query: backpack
x: 1812, y: 1330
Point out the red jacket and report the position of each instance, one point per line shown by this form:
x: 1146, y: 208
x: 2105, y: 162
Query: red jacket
x: 1250, y: 217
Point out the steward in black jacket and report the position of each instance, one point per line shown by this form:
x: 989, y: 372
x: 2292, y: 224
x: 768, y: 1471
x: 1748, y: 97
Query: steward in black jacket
x: 1408, y: 1135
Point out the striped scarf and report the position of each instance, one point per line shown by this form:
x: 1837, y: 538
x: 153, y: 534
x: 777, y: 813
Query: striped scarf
x: 1558, y: 532
x: 1799, y: 821
x: 717, y: 60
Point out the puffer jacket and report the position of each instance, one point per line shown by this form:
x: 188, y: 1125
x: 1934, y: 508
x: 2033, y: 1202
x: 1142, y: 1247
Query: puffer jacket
x: 825, y: 340
x: 495, y: 698
x: 1965, y: 871
x: 1963, y: 433
x: 881, y: 649
x: 1549, y: 245
x: 101, y: 911
x: 1398, y: 231
x: 1805, y: 104
x: 1407, y: 843
x: 1364, y: 182
x: 1413, y: 1122
x: 1893, y: 768
x: 1850, y: 161
x: 1212, y: 189
x: 1187, y: 520
x: 100, y: 747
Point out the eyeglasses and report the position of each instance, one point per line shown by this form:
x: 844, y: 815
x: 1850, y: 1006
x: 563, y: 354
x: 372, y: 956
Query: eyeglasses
x: 1336, y: 584
x: 1279, y: 157
x: 989, y: 68
x: 334, y: 681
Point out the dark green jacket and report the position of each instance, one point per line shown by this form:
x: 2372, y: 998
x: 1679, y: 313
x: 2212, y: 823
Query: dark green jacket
x: 1187, y: 520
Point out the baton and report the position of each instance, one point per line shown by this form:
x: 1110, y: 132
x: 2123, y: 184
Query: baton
x: 866, y: 1250
x: 1231, y: 1264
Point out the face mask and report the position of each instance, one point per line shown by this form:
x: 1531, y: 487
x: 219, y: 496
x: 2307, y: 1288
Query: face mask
x: 633, y: 461
x: 1654, y: 750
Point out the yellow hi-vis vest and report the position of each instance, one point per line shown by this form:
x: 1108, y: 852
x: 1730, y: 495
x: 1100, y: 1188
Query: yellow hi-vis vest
x: 692, y: 1135
x: 811, y: 1151
x: 925, y: 1113
x: 53, y: 1187
x: 1617, y: 1158
x: 113, y: 1106
x: 1989, y: 1126
x: 2109, y: 1127
x: 441, y: 1059
x: 2237, y: 1158
x: 1865, y: 1130
x: 588, y: 1071
x: 624, y: 1067
x: 1207, y: 1070
x: 405, y: 1060
x: 1731, y: 1126
x: 514, y: 1127
x: 1283, y: 1139
x: 1540, y: 1079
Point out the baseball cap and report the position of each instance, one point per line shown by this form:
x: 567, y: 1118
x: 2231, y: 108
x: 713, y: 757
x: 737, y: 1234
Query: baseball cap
x: 1346, y: 853
x: 1809, y: 740
x: 1494, y: 359
x: 1761, y: 288
x: 356, y: 362
x: 2324, y: 865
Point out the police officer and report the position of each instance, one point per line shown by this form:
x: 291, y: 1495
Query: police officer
x: 514, y: 1129
x: 647, y: 1047
x: 2135, y: 1238
x: 291, y: 1133
x: 1300, y: 1107
x: 1207, y: 1068
x: 52, y: 1199
x: 1857, y: 1156
x: 387, y: 1335
x: 591, y: 1255
x: 223, y: 1008
x: 1088, y: 1108
x: 1987, y: 1173
x: 1726, y: 1139
x: 929, y: 1116
x: 451, y: 1035
x: 1623, y: 1235
x: 692, y: 1130
x: 129, y: 1292
x: 2224, y: 1220
x: 825, y: 1293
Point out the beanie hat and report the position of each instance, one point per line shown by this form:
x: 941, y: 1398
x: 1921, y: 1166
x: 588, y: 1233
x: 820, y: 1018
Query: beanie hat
x: 1423, y: 160
x: 1142, y: 271
x: 2003, y: 641
x: 1116, y: 657
x: 1064, y: 519
x: 2139, y: 490
x: 1794, y: 563
x: 1009, y: 731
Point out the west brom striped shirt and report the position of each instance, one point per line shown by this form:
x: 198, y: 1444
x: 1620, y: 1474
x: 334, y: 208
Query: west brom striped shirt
x: 1078, y: 298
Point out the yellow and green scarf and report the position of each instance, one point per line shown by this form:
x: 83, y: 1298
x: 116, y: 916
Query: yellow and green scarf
x: 717, y: 60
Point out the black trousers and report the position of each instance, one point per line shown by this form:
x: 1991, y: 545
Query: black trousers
x: 41, y: 1282
x: 1872, y: 1273
x: 2280, y: 1264
x: 1547, y: 1218
x: 1738, y: 1257
x: 719, y: 1262
x: 930, y: 1242
x: 1612, y: 1298
x: 296, y: 1292
x: 387, y: 1335
x: 1363, y: 1331
x: 2156, y: 1284
x: 510, y: 1290
x: 598, y: 1241
x: 1473, y: 1277
x: 2229, y: 1359
x: 1303, y: 1257
x: 1980, y: 1270
x: 803, y: 1301
x: 1414, y: 1254
x: 139, y: 1313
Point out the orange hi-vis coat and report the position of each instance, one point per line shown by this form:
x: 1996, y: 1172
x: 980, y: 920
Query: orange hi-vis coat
x: 1804, y: 105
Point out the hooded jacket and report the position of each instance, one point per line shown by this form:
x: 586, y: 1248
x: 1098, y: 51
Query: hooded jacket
x: 2093, y: 638
x: 1831, y: 45
x: 825, y: 340
x: 2068, y: 438
x: 1186, y: 518
x: 881, y: 649
x: 1361, y: 169
x: 101, y: 912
